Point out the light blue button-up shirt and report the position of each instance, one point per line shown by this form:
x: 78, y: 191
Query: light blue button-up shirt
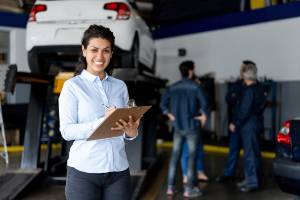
x: 81, y: 109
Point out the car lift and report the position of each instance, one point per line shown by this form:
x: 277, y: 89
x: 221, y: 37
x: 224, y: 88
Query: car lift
x: 5, y: 73
x: 14, y: 182
x: 141, y: 151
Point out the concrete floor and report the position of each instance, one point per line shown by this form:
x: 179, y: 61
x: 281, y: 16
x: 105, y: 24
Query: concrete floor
x: 155, y: 185
x: 222, y: 191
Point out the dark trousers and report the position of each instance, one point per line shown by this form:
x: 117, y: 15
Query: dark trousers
x: 192, y: 141
x: 235, y: 145
x: 97, y: 186
x: 252, y: 157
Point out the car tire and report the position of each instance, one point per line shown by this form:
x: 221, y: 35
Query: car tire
x: 33, y: 63
x: 153, y: 66
x: 37, y: 65
x: 131, y: 59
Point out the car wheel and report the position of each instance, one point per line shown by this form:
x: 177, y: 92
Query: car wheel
x: 131, y: 59
x: 135, y: 54
x: 33, y: 63
x: 37, y: 64
x: 153, y: 67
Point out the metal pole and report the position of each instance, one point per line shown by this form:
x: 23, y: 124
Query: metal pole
x: 242, y: 5
x: 268, y: 3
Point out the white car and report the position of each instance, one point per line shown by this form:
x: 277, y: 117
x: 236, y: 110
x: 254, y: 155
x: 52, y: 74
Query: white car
x: 55, y: 28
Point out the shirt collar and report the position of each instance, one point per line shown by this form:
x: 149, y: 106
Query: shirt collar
x: 92, y: 77
x: 186, y: 78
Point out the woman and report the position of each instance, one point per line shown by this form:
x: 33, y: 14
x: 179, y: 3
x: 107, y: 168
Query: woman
x: 96, y: 169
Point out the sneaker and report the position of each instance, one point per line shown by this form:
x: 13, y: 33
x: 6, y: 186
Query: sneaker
x: 170, y: 190
x: 241, y: 184
x: 191, y: 193
x: 247, y: 188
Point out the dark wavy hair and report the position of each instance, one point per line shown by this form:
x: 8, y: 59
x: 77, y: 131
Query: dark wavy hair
x: 185, y: 66
x: 93, y: 31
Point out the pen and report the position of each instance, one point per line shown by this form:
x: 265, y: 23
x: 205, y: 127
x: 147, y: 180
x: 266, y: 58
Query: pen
x: 105, y: 105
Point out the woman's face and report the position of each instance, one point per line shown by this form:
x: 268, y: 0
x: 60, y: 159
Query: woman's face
x: 98, y: 54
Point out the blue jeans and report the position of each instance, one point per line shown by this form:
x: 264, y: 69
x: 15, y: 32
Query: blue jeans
x: 97, y: 186
x: 199, y: 157
x: 191, y: 137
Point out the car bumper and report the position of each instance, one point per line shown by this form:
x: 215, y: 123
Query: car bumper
x: 286, y: 168
x: 287, y: 175
x: 47, y: 34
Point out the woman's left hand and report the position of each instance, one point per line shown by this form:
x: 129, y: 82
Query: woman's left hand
x: 130, y: 127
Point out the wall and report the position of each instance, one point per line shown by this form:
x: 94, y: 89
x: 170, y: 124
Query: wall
x: 17, y: 53
x: 15, y: 25
x: 270, y: 37
x: 273, y: 45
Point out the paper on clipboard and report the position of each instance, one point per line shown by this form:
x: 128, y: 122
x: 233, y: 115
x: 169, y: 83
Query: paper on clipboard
x: 104, y: 129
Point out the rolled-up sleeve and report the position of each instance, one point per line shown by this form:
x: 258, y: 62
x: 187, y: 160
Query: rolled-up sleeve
x: 68, y: 116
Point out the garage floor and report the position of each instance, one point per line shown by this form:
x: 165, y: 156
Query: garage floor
x: 213, y: 190
x: 155, y: 185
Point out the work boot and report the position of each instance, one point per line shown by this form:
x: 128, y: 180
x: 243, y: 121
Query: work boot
x: 241, y: 183
x: 223, y: 178
x: 246, y: 188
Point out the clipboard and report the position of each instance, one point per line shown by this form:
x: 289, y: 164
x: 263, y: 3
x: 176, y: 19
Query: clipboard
x: 104, y: 129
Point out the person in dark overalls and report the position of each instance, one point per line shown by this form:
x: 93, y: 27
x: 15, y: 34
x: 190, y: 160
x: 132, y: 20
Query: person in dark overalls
x: 248, y: 121
x: 233, y: 96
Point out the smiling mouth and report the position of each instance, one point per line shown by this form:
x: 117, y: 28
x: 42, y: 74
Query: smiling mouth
x: 99, y: 63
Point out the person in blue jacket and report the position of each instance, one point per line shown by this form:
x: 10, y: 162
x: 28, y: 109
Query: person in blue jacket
x: 232, y: 98
x: 182, y: 102
x: 200, y: 174
x: 248, y: 121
